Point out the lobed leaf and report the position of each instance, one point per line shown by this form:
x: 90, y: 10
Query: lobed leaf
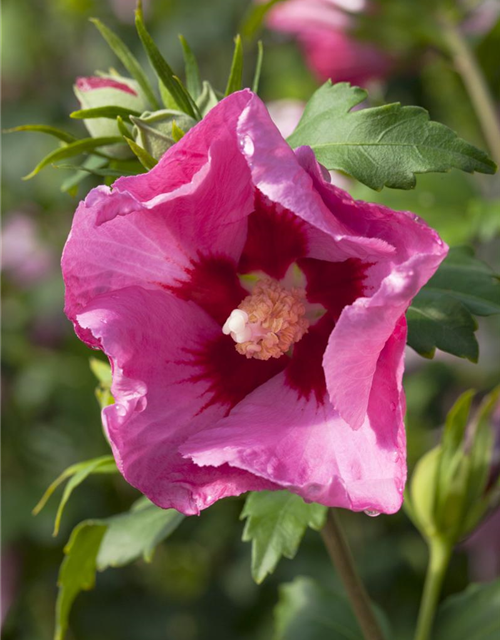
x: 136, y: 533
x: 469, y: 280
x: 95, y: 545
x: 436, y: 322
x: 440, y: 316
x: 470, y: 615
x: 78, y: 570
x: 128, y: 60
x: 381, y: 146
x: 276, y: 523
x: 308, y: 611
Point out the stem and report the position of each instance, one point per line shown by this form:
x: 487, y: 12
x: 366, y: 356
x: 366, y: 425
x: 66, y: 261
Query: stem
x: 440, y: 553
x: 340, y: 554
x: 473, y: 79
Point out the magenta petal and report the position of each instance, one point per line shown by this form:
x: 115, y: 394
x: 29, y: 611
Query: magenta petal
x: 307, y: 448
x: 365, y: 326
x: 288, y: 178
x: 151, y: 229
x: 147, y: 336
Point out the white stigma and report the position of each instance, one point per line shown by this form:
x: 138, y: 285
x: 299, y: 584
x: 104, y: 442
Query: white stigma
x: 268, y: 321
x: 237, y: 325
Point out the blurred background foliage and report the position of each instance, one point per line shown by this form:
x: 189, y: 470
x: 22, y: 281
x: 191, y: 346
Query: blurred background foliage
x: 198, y: 586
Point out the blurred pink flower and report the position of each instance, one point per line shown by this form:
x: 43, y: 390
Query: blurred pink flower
x: 482, y: 18
x: 286, y: 114
x: 10, y: 570
x: 254, y: 317
x: 25, y: 258
x: 322, y: 27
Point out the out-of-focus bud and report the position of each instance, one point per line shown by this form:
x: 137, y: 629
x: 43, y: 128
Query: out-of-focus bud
x: 159, y: 130
x: 109, y: 91
x: 455, y: 484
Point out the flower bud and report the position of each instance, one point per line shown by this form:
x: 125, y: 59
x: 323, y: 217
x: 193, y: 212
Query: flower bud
x: 155, y: 131
x: 453, y: 485
x: 104, y: 91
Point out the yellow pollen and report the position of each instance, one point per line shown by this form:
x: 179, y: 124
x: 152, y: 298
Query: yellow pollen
x: 268, y: 321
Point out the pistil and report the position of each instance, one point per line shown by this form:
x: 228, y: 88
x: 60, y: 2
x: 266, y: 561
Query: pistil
x: 268, y: 321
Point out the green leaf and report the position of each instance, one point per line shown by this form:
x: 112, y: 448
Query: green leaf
x: 77, y: 571
x: 254, y: 18
x: 92, y: 466
x: 106, y: 464
x: 236, y: 74
x: 440, y: 316
x: 102, y: 372
x: 381, y: 146
x: 276, y: 523
x: 43, y: 128
x: 163, y: 70
x: 122, y: 128
x: 91, y: 164
x: 470, y: 615
x: 167, y: 98
x: 136, y: 533
x: 147, y: 160
x: 128, y: 60
x: 111, y: 542
x: 307, y: 611
x: 154, y: 131
x: 102, y: 173
x: 207, y: 99
x: 85, y: 145
x: 423, y: 492
x: 193, y: 81
x: 258, y: 67
x: 481, y: 439
x: 436, y: 322
x: 104, y: 112
x: 465, y: 278
x: 453, y: 468
x: 177, y: 132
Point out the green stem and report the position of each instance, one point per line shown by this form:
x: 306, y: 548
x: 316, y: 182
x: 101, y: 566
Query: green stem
x: 440, y: 553
x: 340, y: 554
x: 475, y: 83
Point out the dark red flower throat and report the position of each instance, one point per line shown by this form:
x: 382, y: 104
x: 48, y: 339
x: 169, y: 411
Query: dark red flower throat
x: 276, y: 239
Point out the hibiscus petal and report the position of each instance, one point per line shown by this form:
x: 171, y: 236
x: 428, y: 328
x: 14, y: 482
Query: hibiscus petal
x: 153, y: 229
x: 276, y: 238
x: 283, y: 176
x: 364, y: 327
x: 161, y: 392
x: 306, y: 447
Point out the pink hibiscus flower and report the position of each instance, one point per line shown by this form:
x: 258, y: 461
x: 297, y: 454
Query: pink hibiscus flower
x: 254, y: 317
x: 322, y: 27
